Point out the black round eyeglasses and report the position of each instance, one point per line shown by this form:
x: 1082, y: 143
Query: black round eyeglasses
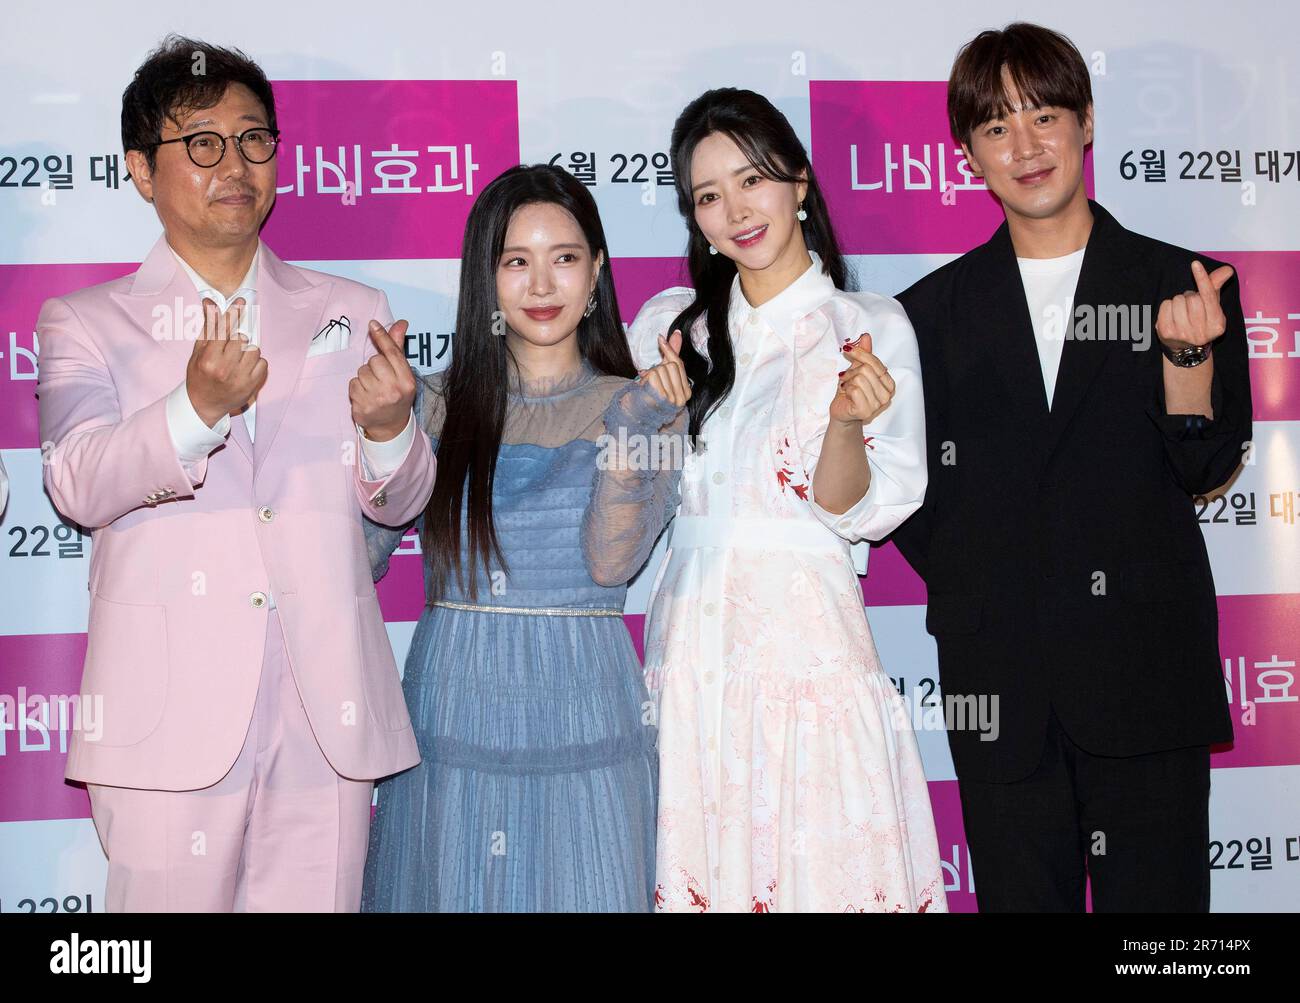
x: 206, y: 149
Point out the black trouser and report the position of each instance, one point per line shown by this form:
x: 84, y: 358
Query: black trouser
x: 1138, y: 826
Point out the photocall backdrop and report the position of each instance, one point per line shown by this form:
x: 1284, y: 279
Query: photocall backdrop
x: 393, y: 118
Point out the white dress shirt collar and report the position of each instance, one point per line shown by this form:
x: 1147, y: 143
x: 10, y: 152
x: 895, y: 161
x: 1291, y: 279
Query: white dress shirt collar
x: 800, y: 298
x: 247, y: 286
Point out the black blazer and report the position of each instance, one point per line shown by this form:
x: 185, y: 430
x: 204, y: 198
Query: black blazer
x: 1061, y: 550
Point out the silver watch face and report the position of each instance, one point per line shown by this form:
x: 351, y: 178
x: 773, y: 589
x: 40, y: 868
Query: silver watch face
x: 1193, y: 355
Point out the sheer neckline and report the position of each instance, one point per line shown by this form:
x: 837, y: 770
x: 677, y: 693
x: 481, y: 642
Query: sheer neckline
x: 547, y: 387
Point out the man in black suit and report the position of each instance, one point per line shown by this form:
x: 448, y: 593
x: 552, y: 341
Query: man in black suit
x: 1069, y: 587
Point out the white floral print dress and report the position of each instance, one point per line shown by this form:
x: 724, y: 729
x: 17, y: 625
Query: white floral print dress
x: 790, y: 778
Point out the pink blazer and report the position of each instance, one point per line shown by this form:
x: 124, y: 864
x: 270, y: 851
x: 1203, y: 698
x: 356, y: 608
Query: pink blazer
x: 181, y: 564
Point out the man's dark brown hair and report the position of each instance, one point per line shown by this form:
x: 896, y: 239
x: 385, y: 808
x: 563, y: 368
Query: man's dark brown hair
x: 1044, y: 65
x: 174, y: 80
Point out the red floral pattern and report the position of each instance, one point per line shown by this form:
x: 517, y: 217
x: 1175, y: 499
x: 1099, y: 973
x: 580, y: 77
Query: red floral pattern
x: 786, y: 475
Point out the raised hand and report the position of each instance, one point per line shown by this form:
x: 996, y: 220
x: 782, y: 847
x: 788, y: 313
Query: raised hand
x: 669, y: 377
x: 384, y: 388
x: 866, y: 388
x: 1194, y: 318
x: 225, y: 372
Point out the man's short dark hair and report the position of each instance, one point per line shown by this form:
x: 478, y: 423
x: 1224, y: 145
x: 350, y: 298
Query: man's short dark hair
x: 1044, y: 65
x: 183, y: 75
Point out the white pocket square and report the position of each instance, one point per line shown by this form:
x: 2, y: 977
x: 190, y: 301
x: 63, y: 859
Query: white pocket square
x: 332, y: 337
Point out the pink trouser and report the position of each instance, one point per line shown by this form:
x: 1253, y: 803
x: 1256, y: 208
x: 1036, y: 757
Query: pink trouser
x: 280, y: 832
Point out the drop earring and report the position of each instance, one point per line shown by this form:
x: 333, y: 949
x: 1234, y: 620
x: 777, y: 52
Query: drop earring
x: 712, y: 249
x: 591, y: 305
x: 801, y: 215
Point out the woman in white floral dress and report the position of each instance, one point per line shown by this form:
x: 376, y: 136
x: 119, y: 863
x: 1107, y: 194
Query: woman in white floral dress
x: 790, y: 778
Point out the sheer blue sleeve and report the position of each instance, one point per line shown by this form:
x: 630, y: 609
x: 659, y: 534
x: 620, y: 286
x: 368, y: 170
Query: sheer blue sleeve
x: 636, y: 485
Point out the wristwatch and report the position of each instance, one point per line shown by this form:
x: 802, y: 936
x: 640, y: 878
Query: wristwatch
x: 1186, y: 358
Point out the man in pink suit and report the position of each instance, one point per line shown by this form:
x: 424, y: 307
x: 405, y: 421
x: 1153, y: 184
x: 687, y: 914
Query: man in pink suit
x: 221, y: 429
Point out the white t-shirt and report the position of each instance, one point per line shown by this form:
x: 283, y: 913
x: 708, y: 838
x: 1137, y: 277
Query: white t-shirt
x: 1049, y: 289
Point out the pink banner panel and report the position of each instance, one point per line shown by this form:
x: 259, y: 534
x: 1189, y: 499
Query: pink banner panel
x: 39, y: 673
x: 890, y: 580
x: 636, y: 280
x: 380, y: 169
x: 401, y: 590
x: 635, y: 623
x: 945, y: 800
x: 1258, y: 646
x: 23, y: 288
x: 1270, y: 302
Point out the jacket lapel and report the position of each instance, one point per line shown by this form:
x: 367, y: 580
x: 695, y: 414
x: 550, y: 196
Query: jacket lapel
x: 1107, y: 280
x: 239, y: 432
x: 292, y: 311
x: 999, y: 319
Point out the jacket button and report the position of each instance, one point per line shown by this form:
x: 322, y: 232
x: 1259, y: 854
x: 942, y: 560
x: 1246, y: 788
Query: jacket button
x: 381, y: 499
x: 719, y: 477
x: 744, y: 359
x: 257, y: 600
x: 710, y: 609
x: 265, y: 513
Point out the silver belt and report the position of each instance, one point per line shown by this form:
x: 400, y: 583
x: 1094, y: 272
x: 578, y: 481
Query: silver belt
x: 532, y: 610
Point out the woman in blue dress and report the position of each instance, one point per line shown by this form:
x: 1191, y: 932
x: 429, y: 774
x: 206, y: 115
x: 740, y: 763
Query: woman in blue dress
x: 557, y: 468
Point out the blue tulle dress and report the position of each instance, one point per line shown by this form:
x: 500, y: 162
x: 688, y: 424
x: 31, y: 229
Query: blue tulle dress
x: 537, y: 785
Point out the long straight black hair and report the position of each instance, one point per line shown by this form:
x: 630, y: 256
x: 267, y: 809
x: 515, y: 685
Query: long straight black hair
x: 765, y: 136
x: 476, y: 381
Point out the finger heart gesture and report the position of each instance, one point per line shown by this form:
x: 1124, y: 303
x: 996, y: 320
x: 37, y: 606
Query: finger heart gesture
x: 384, y: 388
x: 1194, y: 318
x: 669, y: 377
x: 865, y: 389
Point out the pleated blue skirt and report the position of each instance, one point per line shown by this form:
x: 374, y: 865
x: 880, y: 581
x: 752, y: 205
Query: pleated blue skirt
x: 537, y: 785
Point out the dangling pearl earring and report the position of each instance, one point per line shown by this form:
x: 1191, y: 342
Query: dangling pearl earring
x: 712, y: 249
x: 801, y: 215
x: 591, y: 305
